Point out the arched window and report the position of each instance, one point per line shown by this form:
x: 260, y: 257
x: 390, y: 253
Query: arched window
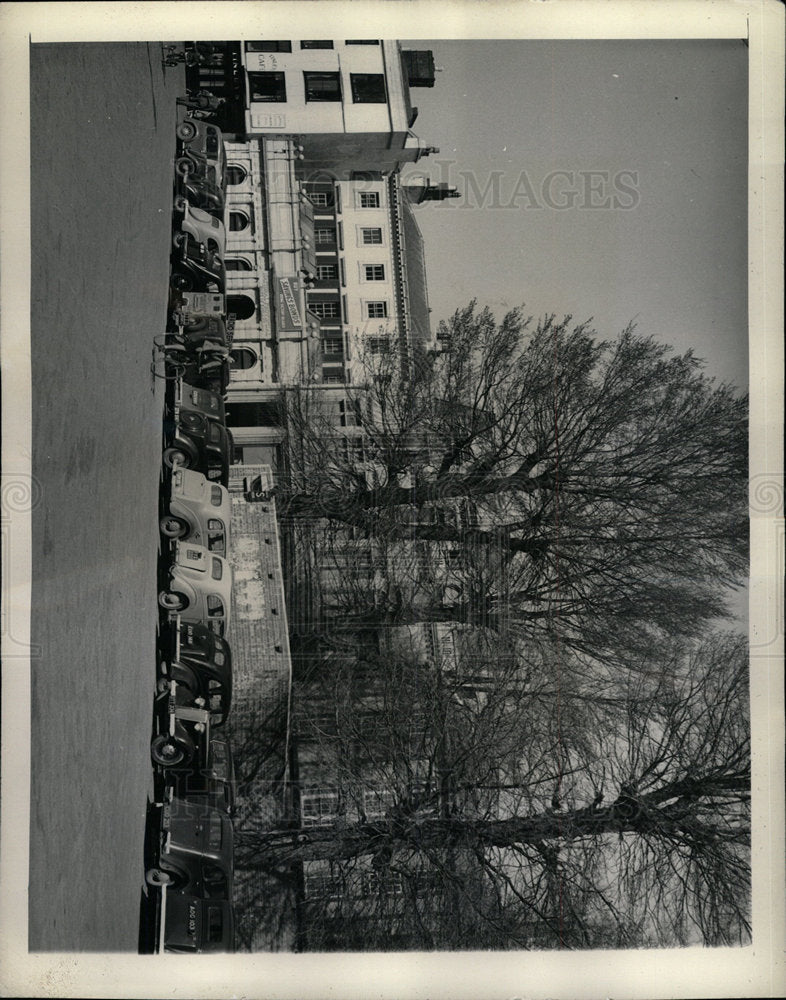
x: 243, y: 357
x: 238, y: 221
x: 236, y: 174
x: 237, y: 264
x: 241, y: 306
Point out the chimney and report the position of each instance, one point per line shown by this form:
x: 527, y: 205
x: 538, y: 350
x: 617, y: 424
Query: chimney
x: 417, y: 193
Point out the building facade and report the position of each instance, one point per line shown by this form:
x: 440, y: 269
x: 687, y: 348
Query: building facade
x: 349, y: 101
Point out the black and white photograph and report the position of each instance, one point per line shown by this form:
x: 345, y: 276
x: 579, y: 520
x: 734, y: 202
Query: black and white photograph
x: 392, y: 500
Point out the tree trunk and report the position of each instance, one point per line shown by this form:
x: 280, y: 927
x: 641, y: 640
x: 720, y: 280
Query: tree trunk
x: 341, y: 842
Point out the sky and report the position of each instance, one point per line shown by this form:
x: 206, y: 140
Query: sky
x: 621, y: 189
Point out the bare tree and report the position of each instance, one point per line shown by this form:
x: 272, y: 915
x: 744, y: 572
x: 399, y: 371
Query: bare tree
x: 589, y: 488
x: 561, y: 822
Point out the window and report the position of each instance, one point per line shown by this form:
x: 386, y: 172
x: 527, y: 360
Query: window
x: 215, y: 606
x: 241, y: 306
x: 378, y: 884
x: 237, y: 264
x: 361, y: 41
x: 327, y: 272
x: 325, y: 235
x: 368, y: 88
x: 323, y: 886
x: 349, y: 414
x: 374, y: 272
x: 238, y: 221
x: 369, y: 199
x: 318, y: 806
x: 243, y: 358
x: 378, y: 345
x: 266, y: 46
x: 371, y: 237
x: 322, y: 86
x: 316, y: 45
x: 353, y: 449
x: 215, y: 925
x: 215, y: 882
x: 318, y: 198
x: 377, y: 802
x: 267, y: 87
x: 325, y: 310
x: 236, y: 174
x: 333, y: 346
x: 332, y: 376
x: 376, y: 310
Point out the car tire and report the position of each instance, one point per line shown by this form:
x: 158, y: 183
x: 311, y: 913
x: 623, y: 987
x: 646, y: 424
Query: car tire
x: 186, y: 131
x: 184, y: 166
x: 175, y: 456
x: 156, y: 877
x: 180, y: 204
x: 176, y: 356
x: 182, y: 282
x: 172, y: 600
x: 173, y: 527
x: 179, y: 240
x: 165, y: 753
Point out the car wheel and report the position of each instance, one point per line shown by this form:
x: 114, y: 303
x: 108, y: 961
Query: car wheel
x: 175, y: 456
x: 182, y: 282
x: 179, y: 240
x: 180, y: 204
x: 176, y: 356
x: 166, y: 753
x: 173, y: 527
x: 162, y: 687
x: 171, y: 600
x: 184, y: 166
x: 186, y: 131
x: 156, y: 877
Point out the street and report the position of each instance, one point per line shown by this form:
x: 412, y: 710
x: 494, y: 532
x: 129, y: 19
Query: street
x: 102, y: 128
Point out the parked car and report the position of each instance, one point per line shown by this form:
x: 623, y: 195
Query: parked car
x: 202, y: 153
x: 196, y: 433
x: 202, y: 227
x: 219, y: 776
x: 196, y: 268
x: 198, y: 511
x: 209, y: 776
x: 199, y: 587
x: 194, y: 656
x: 205, y: 371
x: 194, y: 871
x: 194, y: 698
x: 201, y: 192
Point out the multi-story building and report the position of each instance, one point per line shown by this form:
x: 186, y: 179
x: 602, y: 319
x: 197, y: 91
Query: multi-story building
x: 349, y: 99
x: 319, y: 274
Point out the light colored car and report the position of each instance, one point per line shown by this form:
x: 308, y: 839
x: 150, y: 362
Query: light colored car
x: 204, y: 228
x: 198, y: 511
x: 199, y: 587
